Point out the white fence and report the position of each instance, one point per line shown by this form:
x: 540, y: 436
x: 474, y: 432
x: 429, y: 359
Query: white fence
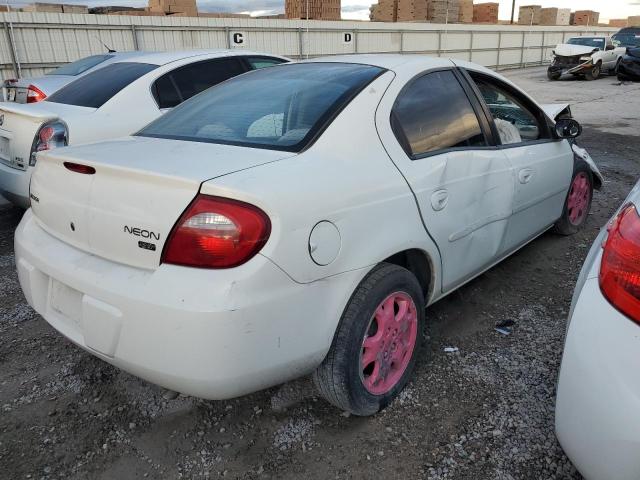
x: 36, y: 42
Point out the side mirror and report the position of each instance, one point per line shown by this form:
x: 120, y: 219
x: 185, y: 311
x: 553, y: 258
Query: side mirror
x: 568, y: 128
x: 610, y: 47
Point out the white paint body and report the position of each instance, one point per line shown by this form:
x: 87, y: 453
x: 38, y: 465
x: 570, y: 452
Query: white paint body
x: 125, y: 113
x: 598, y: 399
x: 338, y: 208
x: 608, y: 58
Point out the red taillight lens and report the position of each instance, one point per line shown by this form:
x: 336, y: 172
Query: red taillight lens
x: 620, y: 267
x: 34, y: 94
x: 217, y: 232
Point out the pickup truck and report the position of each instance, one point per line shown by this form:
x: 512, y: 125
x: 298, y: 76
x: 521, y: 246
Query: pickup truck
x: 586, y: 57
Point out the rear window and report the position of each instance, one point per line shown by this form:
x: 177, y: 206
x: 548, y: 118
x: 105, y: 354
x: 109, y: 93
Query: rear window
x: 80, y: 66
x: 279, y: 108
x: 96, y: 88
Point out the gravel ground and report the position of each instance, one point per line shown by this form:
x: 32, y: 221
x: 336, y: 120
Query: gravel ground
x: 483, y: 411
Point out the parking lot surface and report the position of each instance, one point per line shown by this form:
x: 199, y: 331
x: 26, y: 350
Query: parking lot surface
x: 483, y: 411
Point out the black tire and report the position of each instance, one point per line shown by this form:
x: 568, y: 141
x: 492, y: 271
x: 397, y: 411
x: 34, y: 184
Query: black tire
x: 553, y: 75
x: 339, y: 378
x: 564, y: 226
x: 594, y: 73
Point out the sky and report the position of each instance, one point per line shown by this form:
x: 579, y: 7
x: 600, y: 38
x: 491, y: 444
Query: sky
x: 359, y: 9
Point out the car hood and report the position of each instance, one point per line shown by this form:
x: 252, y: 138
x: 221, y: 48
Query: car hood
x: 48, y: 84
x: 567, y: 50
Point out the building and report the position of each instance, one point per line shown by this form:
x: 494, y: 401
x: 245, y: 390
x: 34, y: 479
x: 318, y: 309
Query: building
x: 529, y: 15
x: 485, y: 12
x: 633, y: 21
x: 555, y: 16
x: 313, y: 9
x: 466, y: 11
x: 55, y: 8
x: 412, y: 11
x: 585, y: 17
x: 384, y: 11
x: 618, y: 22
x: 443, y: 11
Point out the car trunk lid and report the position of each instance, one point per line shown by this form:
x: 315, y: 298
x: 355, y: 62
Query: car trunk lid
x: 125, y: 210
x: 19, y: 125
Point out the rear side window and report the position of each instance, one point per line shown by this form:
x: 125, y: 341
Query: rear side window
x: 80, y: 66
x: 433, y: 113
x: 182, y: 83
x: 96, y: 88
x: 261, y: 62
x: 280, y: 108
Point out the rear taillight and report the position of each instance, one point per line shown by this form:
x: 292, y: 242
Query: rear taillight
x: 34, y: 94
x: 620, y: 267
x: 216, y: 232
x: 51, y: 135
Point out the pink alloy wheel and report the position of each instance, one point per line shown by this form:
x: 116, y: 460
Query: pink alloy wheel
x: 389, y: 343
x: 579, y: 197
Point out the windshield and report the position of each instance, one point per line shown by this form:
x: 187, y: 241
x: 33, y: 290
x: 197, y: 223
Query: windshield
x: 80, y: 66
x: 588, y: 42
x: 96, y: 88
x: 627, y: 39
x: 278, y: 108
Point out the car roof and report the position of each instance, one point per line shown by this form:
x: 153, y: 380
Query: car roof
x: 163, y: 58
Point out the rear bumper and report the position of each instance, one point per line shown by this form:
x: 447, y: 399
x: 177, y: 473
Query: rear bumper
x: 14, y: 185
x: 209, y: 333
x: 598, y: 399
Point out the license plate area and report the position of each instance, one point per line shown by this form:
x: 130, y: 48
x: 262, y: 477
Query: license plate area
x: 11, y: 94
x: 66, y: 301
x: 5, y: 155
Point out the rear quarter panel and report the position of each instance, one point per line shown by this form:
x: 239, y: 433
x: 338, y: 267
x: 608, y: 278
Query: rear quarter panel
x: 346, y: 178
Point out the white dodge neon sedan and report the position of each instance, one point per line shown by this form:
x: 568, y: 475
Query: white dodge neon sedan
x: 598, y: 400
x: 115, y: 100
x: 295, y: 219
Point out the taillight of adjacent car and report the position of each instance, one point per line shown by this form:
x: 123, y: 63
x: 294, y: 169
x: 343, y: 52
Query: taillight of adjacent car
x: 216, y: 232
x: 50, y: 135
x: 34, y: 94
x: 620, y: 267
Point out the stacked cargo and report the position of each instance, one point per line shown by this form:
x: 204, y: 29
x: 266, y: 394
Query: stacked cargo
x: 618, y: 22
x: 466, y: 11
x: 529, y: 15
x: 586, y: 17
x: 633, y: 21
x: 180, y: 8
x: 443, y: 11
x: 485, y: 12
x: 313, y: 9
x: 384, y: 11
x: 412, y: 10
x: 555, y: 16
x: 55, y: 8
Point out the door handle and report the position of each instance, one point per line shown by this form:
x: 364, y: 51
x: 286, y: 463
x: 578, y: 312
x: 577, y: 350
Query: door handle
x: 525, y: 175
x: 439, y: 199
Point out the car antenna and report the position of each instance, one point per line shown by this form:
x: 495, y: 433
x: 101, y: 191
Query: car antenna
x: 109, y: 49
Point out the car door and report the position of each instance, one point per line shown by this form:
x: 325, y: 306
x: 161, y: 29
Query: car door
x: 438, y: 138
x: 543, y: 164
x: 610, y: 53
x: 184, y: 82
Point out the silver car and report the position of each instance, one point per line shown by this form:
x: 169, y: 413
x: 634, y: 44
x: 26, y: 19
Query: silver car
x: 36, y: 89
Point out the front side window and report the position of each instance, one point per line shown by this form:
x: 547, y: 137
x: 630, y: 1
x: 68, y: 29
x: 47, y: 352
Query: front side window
x: 627, y: 39
x: 275, y: 108
x: 595, y: 42
x: 80, y: 66
x: 433, y: 113
x: 96, y: 88
x: 183, y: 83
x: 515, y: 122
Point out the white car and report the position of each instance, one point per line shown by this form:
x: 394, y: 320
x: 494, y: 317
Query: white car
x: 295, y: 219
x: 598, y: 398
x: 37, y: 89
x: 586, y: 56
x: 115, y: 100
